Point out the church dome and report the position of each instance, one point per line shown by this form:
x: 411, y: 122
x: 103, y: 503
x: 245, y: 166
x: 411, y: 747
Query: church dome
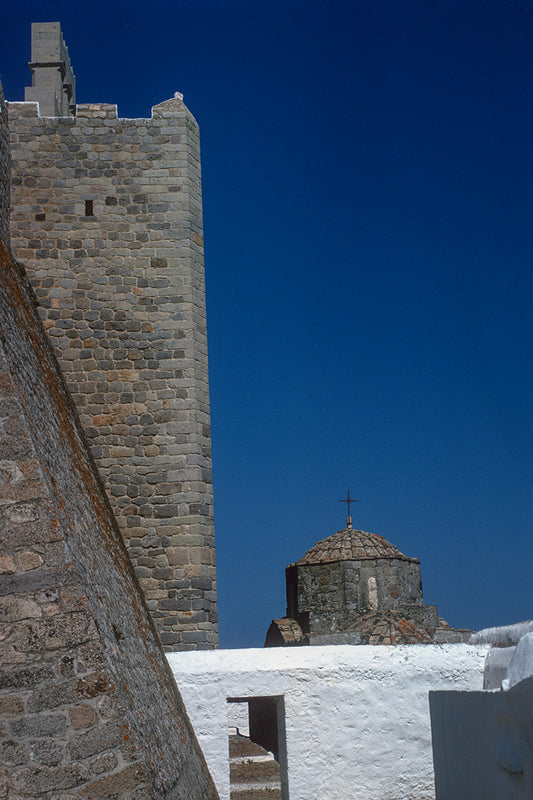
x: 352, y: 545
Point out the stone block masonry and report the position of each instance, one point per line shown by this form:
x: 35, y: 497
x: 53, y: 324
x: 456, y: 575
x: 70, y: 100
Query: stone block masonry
x: 107, y: 220
x: 88, y: 707
x: 4, y: 171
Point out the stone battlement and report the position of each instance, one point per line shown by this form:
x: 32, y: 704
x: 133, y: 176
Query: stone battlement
x: 53, y: 81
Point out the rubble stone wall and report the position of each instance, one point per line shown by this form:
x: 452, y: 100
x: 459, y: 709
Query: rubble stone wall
x: 333, y: 594
x: 107, y: 220
x: 88, y: 707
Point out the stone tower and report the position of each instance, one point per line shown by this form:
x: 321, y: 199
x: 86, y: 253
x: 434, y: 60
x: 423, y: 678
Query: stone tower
x: 107, y: 220
x: 88, y: 705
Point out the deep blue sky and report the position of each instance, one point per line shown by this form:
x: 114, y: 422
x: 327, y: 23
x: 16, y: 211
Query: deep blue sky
x: 368, y: 173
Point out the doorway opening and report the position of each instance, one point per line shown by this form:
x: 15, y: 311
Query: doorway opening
x: 257, y: 746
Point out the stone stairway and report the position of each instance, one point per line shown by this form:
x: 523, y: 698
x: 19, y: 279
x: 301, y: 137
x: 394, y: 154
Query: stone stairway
x: 254, y: 773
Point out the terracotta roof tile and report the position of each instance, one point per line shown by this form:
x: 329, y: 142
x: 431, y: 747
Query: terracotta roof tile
x: 351, y: 545
x: 287, y: 629
x: 390, y: 627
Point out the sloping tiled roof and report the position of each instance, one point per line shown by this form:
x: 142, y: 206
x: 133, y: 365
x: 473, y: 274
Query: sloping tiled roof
x: 283, y: 632
x: 390, y: 627
x: 352, y: 545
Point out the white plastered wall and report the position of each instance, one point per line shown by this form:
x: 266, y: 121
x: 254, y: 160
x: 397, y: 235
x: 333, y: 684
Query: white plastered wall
x: 483, y: 741
x: 357, y: 717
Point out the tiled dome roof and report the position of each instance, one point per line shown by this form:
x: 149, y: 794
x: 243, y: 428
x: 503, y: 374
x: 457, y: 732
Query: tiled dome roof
x: 352, y: 545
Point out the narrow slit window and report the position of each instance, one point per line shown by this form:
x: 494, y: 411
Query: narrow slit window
x: 372, y: 594
x: 89, y: 208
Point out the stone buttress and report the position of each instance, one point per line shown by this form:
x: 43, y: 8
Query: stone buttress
x: 107, y: 220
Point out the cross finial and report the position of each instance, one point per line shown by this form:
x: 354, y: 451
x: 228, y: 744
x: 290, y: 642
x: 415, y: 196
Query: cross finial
x: 348, y: 500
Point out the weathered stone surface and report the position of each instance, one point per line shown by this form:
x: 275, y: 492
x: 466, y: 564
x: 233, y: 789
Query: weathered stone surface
x: 31, y: 780
x: 38, y: 726
x: 82, y: 673
x: 47, y: 751
x: 107, y: 220
x: 54, y: 87
x: 4, y: 172
x: 114, y: 785
x: 103, y: 763
x: 11, y: 705
x: 354, y: 587
x: 83, y: 716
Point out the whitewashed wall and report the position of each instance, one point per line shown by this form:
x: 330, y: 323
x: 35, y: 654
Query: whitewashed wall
x: 483, y: 741
x: 357, y: 717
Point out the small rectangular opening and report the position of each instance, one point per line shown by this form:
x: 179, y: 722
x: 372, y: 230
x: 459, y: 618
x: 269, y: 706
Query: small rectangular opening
x: 89, y: 208
x: 257, y: 745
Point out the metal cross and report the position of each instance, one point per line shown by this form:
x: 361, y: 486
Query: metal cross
x: 348, y: 500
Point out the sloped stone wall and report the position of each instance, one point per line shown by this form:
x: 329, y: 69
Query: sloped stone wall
x: 107, y: 220
x: 88, y: 707
x: 4, y: 171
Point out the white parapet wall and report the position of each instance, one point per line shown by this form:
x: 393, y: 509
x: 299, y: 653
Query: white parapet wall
x: 357, y: 723
x: 483, y: 741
